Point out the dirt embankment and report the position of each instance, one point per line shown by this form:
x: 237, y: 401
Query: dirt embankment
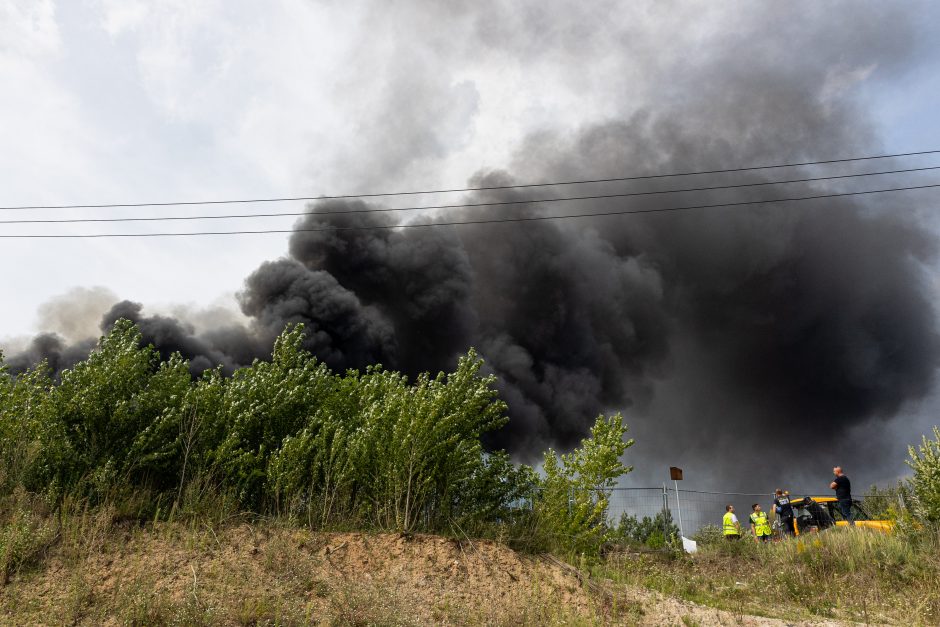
x: 250, y: 575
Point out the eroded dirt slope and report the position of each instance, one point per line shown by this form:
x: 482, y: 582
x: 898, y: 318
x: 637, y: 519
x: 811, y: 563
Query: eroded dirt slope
x: 251, y: 575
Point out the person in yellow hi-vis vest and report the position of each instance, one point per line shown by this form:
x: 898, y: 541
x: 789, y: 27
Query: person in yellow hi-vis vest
x: 730, y: 525
x: 760, y: 526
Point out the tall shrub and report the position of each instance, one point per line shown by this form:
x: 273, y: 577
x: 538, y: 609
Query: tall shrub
x: 575, y: 492
x: 397, y: 455
x: 24, y: 427
x: 104, y: 403
x: 925, y: 484
x: 426, y: 443
x: 174, y: 448
x: 287, y: 435
x: 262, y: 406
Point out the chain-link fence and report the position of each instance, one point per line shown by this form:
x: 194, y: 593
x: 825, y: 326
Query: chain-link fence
x: 693, y: 509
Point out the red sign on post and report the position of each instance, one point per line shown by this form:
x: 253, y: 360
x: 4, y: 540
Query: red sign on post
x: 675, y: 473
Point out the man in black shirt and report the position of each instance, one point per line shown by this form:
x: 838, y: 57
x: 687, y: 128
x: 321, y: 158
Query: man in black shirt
x: 784, y: 510
x: 843, y: 488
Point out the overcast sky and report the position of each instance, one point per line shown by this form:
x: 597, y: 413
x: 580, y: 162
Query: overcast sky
x: 157, y: 101
x: 129, y: 101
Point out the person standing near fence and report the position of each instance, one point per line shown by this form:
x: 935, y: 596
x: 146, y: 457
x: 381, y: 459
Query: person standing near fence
x: 760, y: 526
x: 730, y: 525
x: 843, y: 488
x: 784, y: 510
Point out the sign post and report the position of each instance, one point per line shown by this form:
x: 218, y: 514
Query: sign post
x: 676, y: 475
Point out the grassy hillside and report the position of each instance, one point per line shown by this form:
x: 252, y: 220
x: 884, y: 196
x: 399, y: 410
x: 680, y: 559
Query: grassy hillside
x: 133, y: 493
x: 855, y: 575
x: 263, y: 573
x: 92, y: 565
x: 90, y: 569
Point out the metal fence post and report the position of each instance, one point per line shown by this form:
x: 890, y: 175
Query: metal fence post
x: 665, y: 512
x: 679, y: 509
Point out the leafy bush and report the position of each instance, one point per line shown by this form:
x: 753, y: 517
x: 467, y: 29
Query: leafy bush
x: 709, y: 534
x: 399, y: 455
x: 128, y: 431
x: 575, y: 493
x: 925, y: 484
x: 887, y: 503
x: 103, y: 407
x: 24, y: 432
x: 264, y: 405
x: 653, y: 532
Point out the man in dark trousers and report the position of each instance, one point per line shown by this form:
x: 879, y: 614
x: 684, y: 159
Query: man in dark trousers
x: 730, y: 526
x: 760, y: 526
x: 843, y: 488
x: 784, y: 511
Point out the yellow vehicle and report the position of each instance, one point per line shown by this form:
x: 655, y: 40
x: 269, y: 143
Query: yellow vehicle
x: 815, y: 513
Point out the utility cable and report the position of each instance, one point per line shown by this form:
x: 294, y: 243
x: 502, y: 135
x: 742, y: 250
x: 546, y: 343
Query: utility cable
x: 469, y: 222
x: 467, y: 189
x: 460, y: 205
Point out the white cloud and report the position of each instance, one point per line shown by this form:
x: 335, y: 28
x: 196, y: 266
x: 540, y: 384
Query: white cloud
x: 840, y: 80
x: 29, y: 29
x: 120, y: 16
x: 51, y: 150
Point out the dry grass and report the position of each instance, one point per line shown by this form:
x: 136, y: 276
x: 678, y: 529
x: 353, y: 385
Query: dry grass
x: 84, y: 566
x: 99, y: 572
x: 844, y: 574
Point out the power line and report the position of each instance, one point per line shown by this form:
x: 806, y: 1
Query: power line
x: 469, y: 222
x: 466, y: 189
x: 461, y: 205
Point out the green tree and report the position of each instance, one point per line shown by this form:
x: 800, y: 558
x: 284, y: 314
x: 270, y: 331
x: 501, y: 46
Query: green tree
x: 288, y: 435
x: 262, y: 406
x: 497, y: 491
x: 174, y: 448
x: 25, y: 427
x: 925, y: 484
x: 653, y: 532
x: 103, y: 405
x: 575, y: 492
x: 427, y: 442
x: 397, y: 455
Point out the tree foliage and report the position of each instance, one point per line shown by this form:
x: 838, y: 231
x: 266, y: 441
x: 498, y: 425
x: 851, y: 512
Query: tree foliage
x: 653, y: 532
x: 575, y: 493
x: 925, y: 484
x: 289, y: 436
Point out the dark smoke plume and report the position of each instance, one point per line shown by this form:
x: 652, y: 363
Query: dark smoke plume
x: 58, y: 354
x: 230, y: 347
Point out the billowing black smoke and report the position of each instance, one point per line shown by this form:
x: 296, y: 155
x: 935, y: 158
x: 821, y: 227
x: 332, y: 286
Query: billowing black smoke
x: 816, y: 317
x: 819, y: 316
x: 54, y: 350
x: 229, y: 346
